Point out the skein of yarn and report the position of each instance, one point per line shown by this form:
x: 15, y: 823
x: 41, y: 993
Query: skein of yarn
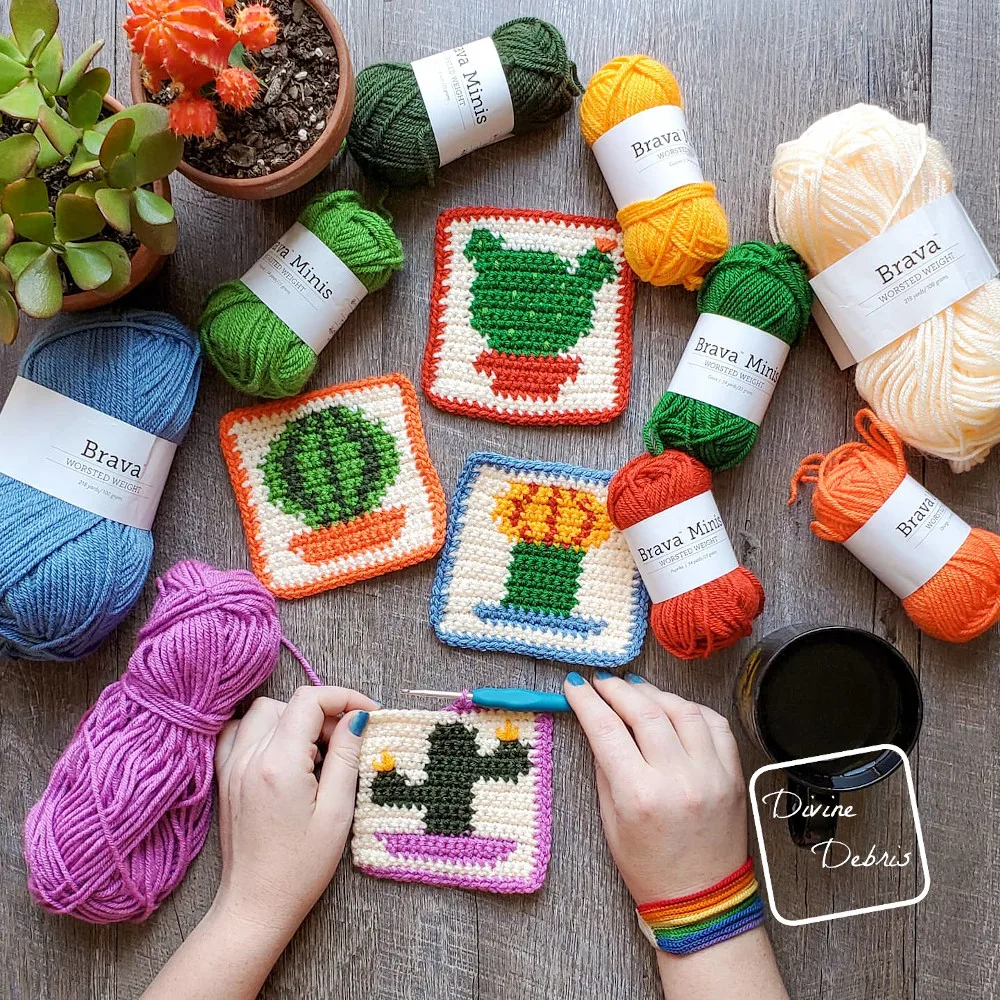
x: 703, y: 601
x: 946, y: 573
x: 763, y: 288
x: 675, y: 230
x: 252, y: 346
x: 129, y: 802
x: 391, y: 134
x: 847, y: 179
x: 68, y: 576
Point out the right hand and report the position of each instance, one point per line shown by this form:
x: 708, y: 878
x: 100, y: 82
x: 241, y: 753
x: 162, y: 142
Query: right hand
x: 669, y: 782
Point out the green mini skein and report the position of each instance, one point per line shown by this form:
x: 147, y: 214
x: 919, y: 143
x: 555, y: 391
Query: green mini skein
x: 391, y: 136
x: 759, y: 284
x: 255, y: 350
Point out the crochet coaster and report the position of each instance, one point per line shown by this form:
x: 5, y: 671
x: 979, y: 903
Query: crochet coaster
x: 532, y: 564
x: 458, y: 797
x: 335, y: 485
x: 531, y: 317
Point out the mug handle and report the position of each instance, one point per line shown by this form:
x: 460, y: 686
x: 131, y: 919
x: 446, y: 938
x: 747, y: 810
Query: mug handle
x: 807, y: 831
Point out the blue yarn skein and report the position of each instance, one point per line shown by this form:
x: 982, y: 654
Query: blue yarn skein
x: 69, y: 577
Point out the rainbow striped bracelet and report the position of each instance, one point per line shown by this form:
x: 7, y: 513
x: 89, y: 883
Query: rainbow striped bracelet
x: 690, y: 923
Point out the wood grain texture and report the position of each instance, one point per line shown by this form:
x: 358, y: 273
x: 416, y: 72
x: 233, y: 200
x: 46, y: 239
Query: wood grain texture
x: 754, y: 73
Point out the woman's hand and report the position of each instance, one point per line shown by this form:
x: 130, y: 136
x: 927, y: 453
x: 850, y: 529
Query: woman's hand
x: 669, y: 783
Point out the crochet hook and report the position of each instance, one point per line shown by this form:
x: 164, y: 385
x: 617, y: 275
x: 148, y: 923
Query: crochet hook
x: 511, y: 699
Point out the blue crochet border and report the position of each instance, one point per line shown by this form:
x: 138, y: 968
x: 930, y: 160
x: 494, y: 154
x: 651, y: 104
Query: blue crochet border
x: 446, y: 565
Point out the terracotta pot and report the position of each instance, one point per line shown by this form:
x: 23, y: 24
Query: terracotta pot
x: 312, y: 161
x: 145, y: 263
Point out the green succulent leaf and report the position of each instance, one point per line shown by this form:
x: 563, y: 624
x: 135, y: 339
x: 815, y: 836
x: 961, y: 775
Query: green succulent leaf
x: 160, y: 238
x: 89, y: 267
x: 20, y: 255
x: 6, y: 279
x: 17, y: 157
x: 83, y: 160
x: 74, y: 74
x: 24, y: 196
x: 148, y: 118
x: 116, y: 142
x: 39, y: 227
x: 23, y: 101
x: 37, y: 42
x: 6, y: 233
x: 87, y: 189
x: 77, y: 218
x: 152, y: 208
x: 11, y: 73
x: 84, y: 107
x: 157, y: 156
x: 115, y: 205
x: 60, y: 133
x: 121, y: 173
x: 121, y: 268
x: 98, y: 79
x: 92, y: 140
x: 48, y: 68
x: 27, y: 17
x: 48, y: 155
x: 39, y: 288
x: 8, y: 47
x: 10, y: 317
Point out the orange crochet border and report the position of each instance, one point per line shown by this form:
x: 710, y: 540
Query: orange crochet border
x: 248, y: 512
x: 442, y: 264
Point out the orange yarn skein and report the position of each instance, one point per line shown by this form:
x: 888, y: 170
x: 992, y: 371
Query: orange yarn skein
x: 961, y: 600
x: 710, y: 617
x: 673, y: 239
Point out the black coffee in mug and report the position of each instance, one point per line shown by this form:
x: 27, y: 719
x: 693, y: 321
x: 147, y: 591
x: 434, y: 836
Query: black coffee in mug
x: 809, y: 690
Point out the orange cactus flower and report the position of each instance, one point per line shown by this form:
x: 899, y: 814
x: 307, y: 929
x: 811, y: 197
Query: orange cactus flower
x: 193, y: 117
x: 256, y: 26
x: 237, y: 87
x: 552, y: 515
x: 187, y: 41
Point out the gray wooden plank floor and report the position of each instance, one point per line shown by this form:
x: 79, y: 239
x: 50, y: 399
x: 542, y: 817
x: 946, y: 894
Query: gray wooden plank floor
x: 754, y: 72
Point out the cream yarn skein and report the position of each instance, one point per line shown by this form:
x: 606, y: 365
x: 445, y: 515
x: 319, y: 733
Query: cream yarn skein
x: 847, y: 178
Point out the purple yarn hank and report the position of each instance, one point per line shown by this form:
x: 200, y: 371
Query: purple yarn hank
x: 129, y: 802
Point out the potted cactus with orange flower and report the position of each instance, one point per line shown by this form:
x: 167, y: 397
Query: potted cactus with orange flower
x: 261, y: 93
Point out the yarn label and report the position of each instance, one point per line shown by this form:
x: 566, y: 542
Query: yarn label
x: 82, y: 456
x: 730, y: 365
x: 909, y: 538
x: 682, y: 548
x: 467, y: 98
x: 898, y: 280
x: 306, y: 285
x: 647, y: 155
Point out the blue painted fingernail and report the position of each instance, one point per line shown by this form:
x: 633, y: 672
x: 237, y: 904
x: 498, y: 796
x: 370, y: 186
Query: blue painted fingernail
x: 358, y: 723
x: 574, y: 678
x: 634, y: 679
x: 602, y: 675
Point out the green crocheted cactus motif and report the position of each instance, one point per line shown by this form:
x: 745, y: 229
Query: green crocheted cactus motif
x: 454, y: 764
x: 330, y: 466
x: 533, y: 302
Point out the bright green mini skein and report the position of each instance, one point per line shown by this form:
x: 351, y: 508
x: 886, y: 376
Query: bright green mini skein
x: 254, y: 349
x: 758, y: 284
x: 391, y: 136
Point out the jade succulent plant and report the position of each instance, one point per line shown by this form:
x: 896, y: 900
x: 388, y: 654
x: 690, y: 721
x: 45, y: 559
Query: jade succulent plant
x: 68, y: 175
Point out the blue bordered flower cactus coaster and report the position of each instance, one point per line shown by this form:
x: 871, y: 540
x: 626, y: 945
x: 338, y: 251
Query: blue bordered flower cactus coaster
x: 459, y: 797
x: 532, y: 564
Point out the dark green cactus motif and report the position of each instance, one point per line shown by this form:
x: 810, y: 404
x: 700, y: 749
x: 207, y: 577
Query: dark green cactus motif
x: 533, y: 302
x: 454, y: 765
x: 330, y: 466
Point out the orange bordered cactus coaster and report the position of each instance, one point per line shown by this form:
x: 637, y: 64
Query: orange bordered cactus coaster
x: 335, y: 485
x: 458, y: 797
x: 531, y: 317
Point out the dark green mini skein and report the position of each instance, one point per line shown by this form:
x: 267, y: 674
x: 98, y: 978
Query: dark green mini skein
x: 758, y: 284
x: 391, y: 136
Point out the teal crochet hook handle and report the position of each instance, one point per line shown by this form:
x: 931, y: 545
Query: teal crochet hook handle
x: 519, y: 700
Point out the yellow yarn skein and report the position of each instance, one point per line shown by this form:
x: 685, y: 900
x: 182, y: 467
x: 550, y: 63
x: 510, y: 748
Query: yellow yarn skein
x: 673, y: 239
x: 849, y: 177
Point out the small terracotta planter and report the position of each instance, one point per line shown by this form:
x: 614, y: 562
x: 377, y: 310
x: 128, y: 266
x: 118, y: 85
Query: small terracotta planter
x: 145, y: 263
x: 307, y: 166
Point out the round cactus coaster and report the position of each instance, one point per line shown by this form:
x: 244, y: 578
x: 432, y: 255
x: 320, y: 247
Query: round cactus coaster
x: 531, y: 317
x: 457, y: 797
x: 335, y: 485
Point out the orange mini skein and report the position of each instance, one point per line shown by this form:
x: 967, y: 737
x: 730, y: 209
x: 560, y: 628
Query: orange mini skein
x: 713, y: 616
x: 961, y: 600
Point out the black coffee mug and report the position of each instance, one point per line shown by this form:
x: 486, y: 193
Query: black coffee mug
x: 808, y: 690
